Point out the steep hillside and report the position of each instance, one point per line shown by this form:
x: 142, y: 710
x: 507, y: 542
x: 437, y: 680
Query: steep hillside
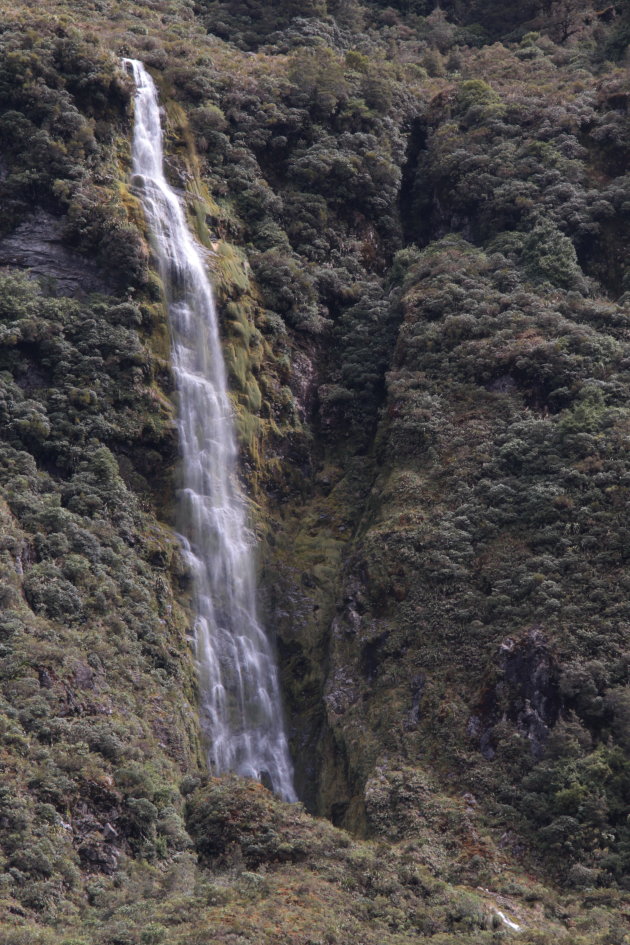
x: 417, y: 221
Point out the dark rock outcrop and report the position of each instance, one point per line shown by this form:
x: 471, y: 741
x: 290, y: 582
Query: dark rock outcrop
x: 37, y: 244
x: 527, y: 694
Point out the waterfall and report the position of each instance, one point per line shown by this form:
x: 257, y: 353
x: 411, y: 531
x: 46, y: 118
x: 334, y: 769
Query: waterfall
x: 241, y: 711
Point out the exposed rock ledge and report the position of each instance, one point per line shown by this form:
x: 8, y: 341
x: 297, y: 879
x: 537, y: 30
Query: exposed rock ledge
x: 36, y: 244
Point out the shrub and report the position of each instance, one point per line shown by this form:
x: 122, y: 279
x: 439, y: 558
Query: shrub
x: 231, y: 813
x: 49, y: 593
x: 550, y: 256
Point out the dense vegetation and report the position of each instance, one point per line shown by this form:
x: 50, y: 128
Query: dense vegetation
x: 418, y: 219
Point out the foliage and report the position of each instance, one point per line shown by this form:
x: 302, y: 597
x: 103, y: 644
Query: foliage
x: 228, y: 817
x: 84, y: 612
x: 498, y: 413
x: 58, y: 97
x: 418, y: 235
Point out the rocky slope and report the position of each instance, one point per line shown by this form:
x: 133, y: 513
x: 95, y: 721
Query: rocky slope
x: 418, y: 227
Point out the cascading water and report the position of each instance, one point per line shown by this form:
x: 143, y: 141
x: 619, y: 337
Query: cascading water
x: 240, y: 697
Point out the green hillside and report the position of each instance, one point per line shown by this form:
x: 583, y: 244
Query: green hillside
x: 418, y: 227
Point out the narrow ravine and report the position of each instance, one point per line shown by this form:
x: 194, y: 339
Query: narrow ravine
x: 241, y: 708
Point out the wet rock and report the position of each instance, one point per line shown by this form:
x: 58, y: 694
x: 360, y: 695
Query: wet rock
x: 417, y: 689
x: 73, y: 706
x: 342, y: 693
x: 110, y: 833
x: 526, y: 695
x: 372, y: 656
x: 95, y: 855
x: 485, y: 745
x: 353, y: 619
x: 37, y: 244
x: 45, y: 679
x: 84, y: 676
x: 303, y: 382
x: 531, y: 677
x: 512, y: 842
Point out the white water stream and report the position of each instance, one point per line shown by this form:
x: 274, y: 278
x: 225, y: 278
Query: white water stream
x: 240, y: 696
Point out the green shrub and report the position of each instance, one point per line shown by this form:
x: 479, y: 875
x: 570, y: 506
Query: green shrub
x: 50, y: 594
x: 231, y: 814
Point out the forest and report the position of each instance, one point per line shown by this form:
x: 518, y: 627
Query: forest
x: 416, y: 218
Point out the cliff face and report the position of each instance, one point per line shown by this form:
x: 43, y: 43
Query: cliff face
x: 418, y: 228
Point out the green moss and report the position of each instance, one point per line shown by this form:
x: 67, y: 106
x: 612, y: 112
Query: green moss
x: 232, y: 271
